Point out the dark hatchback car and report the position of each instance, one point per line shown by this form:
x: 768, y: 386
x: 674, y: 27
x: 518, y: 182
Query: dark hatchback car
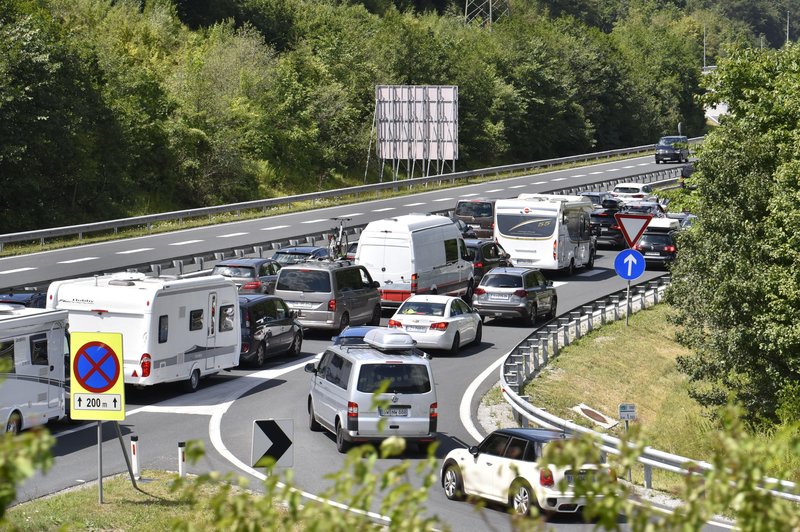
x: 674, y: 148
x: 486, y: 254
x: 658, y: 247
x: 298, y: 254
x: 603, y: 224
x: 268, y: 329
x: 479, y: 213
x: 251, y: 276
x: 28, y: 299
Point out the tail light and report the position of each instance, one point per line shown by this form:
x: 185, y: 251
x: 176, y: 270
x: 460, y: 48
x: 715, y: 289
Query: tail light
x: 394, y: 324
x: 479, y: 291
x: 439, y: 326
x: 247, y: 318
x: 546, y: 477
x: 520, y: 293
x: 670, y: 249
x: 638, y: 196
x: 433, y: 417
x: 637, y: 246
x: 555, y: 249
x: 146, y: 364
x: 614, y: 227
x: 252, y: 285
x: 414, y: 278
x: 352, y: 415
x: 332, y: 305
x: 479, y: 265
x: 245, y: 348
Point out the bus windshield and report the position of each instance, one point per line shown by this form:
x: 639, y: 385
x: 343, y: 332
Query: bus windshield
x: 526, y: 225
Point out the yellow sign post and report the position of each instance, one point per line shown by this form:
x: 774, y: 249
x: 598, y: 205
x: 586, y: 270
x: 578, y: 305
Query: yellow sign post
x: 97, y: 387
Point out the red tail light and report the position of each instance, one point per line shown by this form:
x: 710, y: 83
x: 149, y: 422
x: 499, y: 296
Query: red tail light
x: 479, y: 291
x: 637, y: 246
x: 439, y: 325
x: 332, y: 305
x: 546, y: 477
x: 520, y: 293
x: 434, y: 411
x: 603, y: 214
x: 394, y: 324
x: 352, y: 409
x: 414, y: 278
x: 252, y: 285
x: 145, y: 363
x: 614, y: 227
x: 638, y: 195
x: 555, y: 249
x: 479, y: 265
x: 247, y: 318
x: 670, y: 249
x: 245, y: 348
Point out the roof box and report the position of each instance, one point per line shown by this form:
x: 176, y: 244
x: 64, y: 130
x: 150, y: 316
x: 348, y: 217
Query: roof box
x: 663, y: 225
x: 387, y: 339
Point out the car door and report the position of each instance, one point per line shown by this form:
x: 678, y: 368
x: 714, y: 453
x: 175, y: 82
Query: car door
x: 509, y: 466
x: 279, y: 323
x: 466, y: 325
x: 479, y: 476
x: 543, y: 295
x: 267, y: 274
x: 322, y: 392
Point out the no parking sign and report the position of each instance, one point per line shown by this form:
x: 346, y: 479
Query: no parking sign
x: 97, y: 388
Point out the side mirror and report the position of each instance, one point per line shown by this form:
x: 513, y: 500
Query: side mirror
x: 294, y: 313
x: 549, y: 283
x: 375, y: 284
x: 310, y: 368
x: 471, y: 254
x: 473, y: 450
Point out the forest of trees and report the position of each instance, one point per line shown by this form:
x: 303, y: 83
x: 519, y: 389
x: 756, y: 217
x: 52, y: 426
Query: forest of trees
x: 111, y: 109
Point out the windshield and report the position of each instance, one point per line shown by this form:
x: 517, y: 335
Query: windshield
x: 290, y: 258
x: 403, y: 378
x: 421, y: 308
x: 234, y: 271
x: 304, y: 281
x: 669, y: 141
x: 526, y: 225
x: 476, y: 209
x: 500, y: 280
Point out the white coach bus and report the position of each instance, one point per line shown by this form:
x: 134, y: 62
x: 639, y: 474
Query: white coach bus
x: 546, y: 231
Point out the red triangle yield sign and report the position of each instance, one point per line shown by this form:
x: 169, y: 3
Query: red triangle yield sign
x: 632, y: 226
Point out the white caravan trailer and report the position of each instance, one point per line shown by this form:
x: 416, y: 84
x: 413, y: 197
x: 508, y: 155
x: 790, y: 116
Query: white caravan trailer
x: 172, y: 329
x: 415, y: 254
x: 546, y: 231
x: 32, y: 353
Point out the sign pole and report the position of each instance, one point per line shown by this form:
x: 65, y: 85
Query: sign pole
x: 100, y: 461
x: 630, y: 475
x: 125, y: 454
x: 628, y: 306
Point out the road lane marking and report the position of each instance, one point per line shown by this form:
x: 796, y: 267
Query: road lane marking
x: 383, y: 210
x: 17, y: 270
x: 133, y: 251
x: 73, y: 261
x: 613, y: 170
x: 444, y: 199
x: 559, y: 179
x: 629, y: 166
x: 643, y: 164
x: 274, y: 227
x: 539, y: 183
x: 495, y: 190
x: 518, y: 186
x: 469, y: 195
x: 414, y: 204
x: 185, y: 242
x: 229, y: 235
x: 595, y: 173
x: 579, y: 175
x: 351, y: 215
x: 318, y: 220
x: 589, y: 273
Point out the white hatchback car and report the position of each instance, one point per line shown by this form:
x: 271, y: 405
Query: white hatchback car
x: 634, y: 192
x: 504, y: 468
x: 438, y: 322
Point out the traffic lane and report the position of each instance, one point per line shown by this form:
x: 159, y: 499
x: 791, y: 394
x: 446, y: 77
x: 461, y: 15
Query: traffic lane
x: 119, y: 254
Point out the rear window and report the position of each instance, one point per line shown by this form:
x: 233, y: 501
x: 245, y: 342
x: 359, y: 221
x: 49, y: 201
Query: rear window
x: 526, y: 226
x: 290, y: 258
x: 475, y: 209
x: 304, y: 281
x: 655, y: 238
x: 627, y: 190
x: 234, y: 271
x: 502, y: 280
x: 403, y: 378
x: 421, y: 308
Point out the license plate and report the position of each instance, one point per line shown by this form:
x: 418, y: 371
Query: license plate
x: 416, y: 328
x: 525, y: 261
x: 498, y: 297
x: 652, y: 254
x: 301, y: 304
x: 393, y: 411
x: 571, y: 478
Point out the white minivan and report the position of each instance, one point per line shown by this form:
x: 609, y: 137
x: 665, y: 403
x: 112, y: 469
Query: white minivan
x: 415, y: 254
x: 344, y: 396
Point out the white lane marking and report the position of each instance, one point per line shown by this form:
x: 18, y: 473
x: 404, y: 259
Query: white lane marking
x: 73, y: 261
x: 315, y: 221
x: 579, y: 175
x: 17, y: 270
x: 185, y: 242
x: 229, y: 235
x: 495, y: 190
x: 613, y: 170
x: 352, y: 214
x: 559, y: 179
x: 444, y: 199
x: 414, y: 204
x: 133, y: 251
x: 595, y: 173
x: 643, y: 164
x: 629, y: 166
x: 518, y: 186
x: 383, y: 210
x: 469, y: 195
x: 539, y: 183
x: 274, y: 227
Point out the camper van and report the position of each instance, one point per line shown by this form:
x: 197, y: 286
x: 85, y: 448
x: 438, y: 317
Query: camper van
x: 172, y: 329
x: 546, y: 231
x: 33, y: 348
x: 415, y: 254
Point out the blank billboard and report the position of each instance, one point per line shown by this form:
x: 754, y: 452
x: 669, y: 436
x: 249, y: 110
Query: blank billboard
x: 417, y: 122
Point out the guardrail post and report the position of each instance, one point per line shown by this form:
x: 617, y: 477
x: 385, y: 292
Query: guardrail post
x: 276, y: 245
x: 589, y: 311
x: 200, y: 261
x: 523, y: 421
x: 294, y: 241
x: 239, y: 253
x: 576, y: 317
x: 564, y: 325
x: 535, y: 357
x: 259, y: 250
x: 156, y: 269
x: 543, y: 342
x: 553, y: 330
x: 648, y: 476
x: 178, y: 264
x: 219, y: 255
x: 615, y: 304
x: 601, y: 305
x: 310, y: 240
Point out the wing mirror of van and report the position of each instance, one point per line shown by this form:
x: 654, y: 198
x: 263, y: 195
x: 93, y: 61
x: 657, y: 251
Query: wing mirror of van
x: 549, y: 283
x: 375, y: 284
x: 473, y: 450
x: 310, y: 368
x: 294, y: 313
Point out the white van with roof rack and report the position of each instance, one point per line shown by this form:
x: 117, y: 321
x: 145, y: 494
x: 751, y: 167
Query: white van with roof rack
x: 345, y: 383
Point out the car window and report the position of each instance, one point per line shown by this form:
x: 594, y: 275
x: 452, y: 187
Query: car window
x: 540, y: 280
x: 348, y: 279
x: 464, y: 307
x: 494, y: 444
x: 283, y: 257
x: 270, y: 309
x: 516, y: 449
x: 490, y: 251
x: 476, y: 209
x: 302, y: 280
x: 403, y: 378
x: 338, y: 371
x: 455, y: 310
x: 324, y: 362
x: 502, y: 280
x: 658, y: 239
x: 422, y: 307
x: 451, y: 250
x: 234, y: 271
x: 366, y: 280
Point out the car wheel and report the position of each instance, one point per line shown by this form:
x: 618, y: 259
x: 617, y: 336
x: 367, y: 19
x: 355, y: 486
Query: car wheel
x: 590, y: 264
x: 532, y: 315
x: 376, y: 316
x: 344, y: 321
x: 553, y: 305
x: 14, y: 423
x: 478, y: 335
x: 456, y: 344
x: 258, y: 360
x: 313, y: 424
x: 452, y: 483
x: 193, y: 383
x: 342, y: 445
x: 521, y: 497
x: 470, y: 292
x: 297, y: 345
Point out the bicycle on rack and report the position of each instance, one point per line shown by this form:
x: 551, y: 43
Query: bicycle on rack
x: 337, y: 240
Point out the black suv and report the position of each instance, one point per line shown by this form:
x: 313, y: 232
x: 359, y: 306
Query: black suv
x: 674, y: 148
x: 658, y: 247
x: 603, y: 224
x: 268, y: 329
x: 486, y: 254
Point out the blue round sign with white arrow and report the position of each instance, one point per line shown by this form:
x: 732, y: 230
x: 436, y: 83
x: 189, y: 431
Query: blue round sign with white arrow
x: 629, y: 264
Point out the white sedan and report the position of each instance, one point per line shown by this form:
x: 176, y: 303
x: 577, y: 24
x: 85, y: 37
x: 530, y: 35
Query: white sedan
x: 438, y: 322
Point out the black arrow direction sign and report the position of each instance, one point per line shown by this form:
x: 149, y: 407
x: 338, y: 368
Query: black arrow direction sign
x: 271, y: 441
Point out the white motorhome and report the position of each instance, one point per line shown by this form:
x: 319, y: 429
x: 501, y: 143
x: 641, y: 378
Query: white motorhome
x: 546, y: 231
x: 415, y: 254
x: 32, y: 355
x: 172, y: 329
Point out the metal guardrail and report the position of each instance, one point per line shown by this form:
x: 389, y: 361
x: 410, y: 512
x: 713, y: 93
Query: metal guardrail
x: 42, y: 234
x: 525, y: 362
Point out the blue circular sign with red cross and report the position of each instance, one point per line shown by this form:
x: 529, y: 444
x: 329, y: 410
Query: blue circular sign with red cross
x: 96, y: 367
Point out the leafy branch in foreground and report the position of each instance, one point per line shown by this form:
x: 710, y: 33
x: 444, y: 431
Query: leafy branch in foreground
x: 20, y: 456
